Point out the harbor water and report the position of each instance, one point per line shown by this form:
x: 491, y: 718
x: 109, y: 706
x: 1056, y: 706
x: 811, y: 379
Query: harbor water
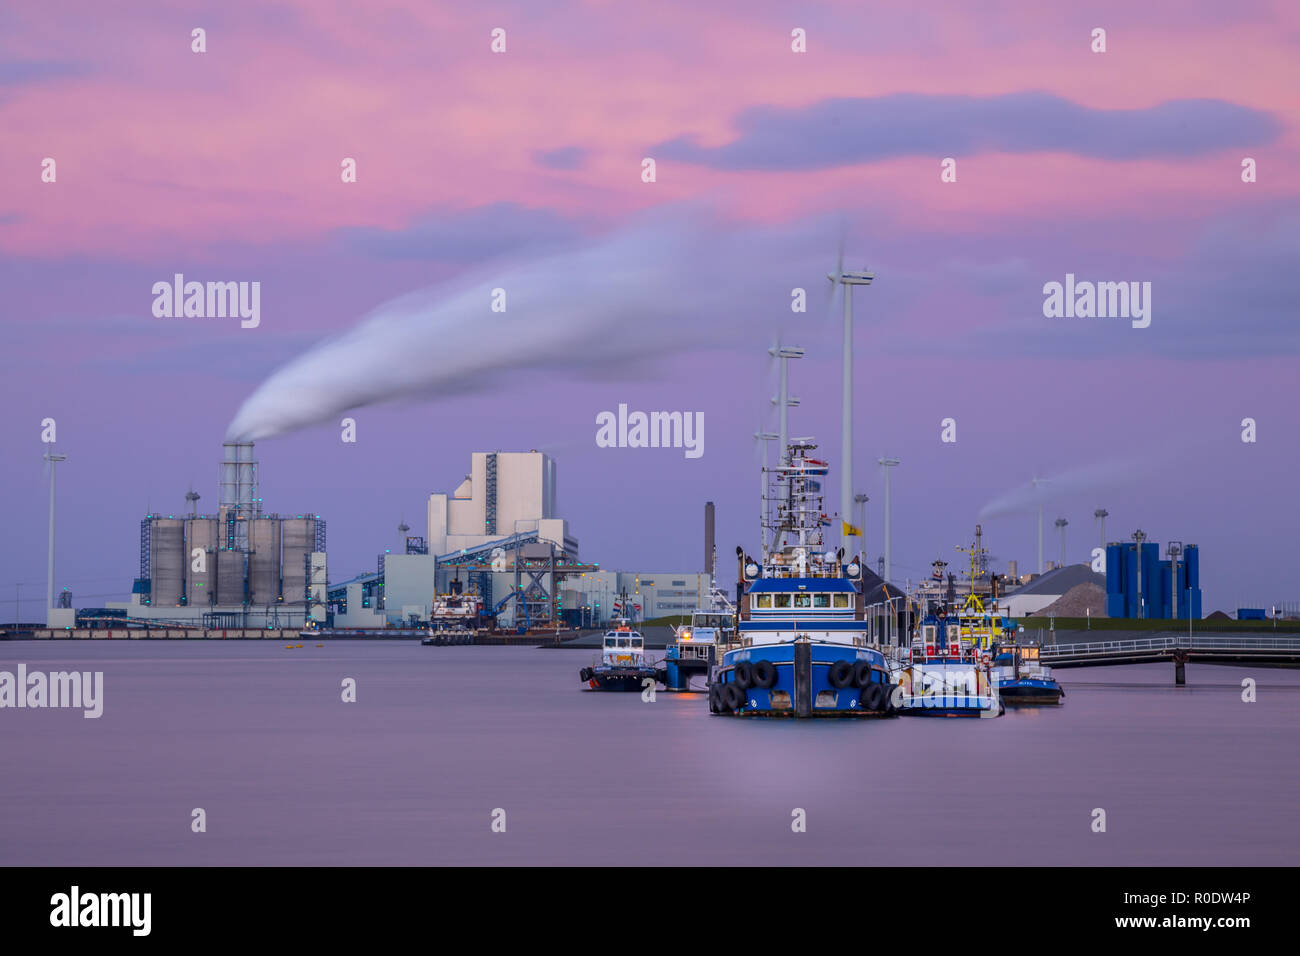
x: 439, y: 738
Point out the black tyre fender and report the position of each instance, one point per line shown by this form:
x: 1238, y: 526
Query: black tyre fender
x: 584, y: 675
x: 841, y: 674
x: 743, y: 675
x: 713, y: 698
x: 733, y: 696
x: 889, y: 698
x: 862, y: 673
x: 764, y: 674
x: 874, y: 696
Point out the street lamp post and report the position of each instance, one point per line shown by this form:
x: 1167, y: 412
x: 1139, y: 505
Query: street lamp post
x: 1139, y: 536
x: 887, y: 463
x: 53, y: 460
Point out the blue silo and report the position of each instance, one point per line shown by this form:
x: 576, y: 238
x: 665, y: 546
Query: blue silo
x: 1130, y: 580
x: 1115, y: 580
x: 1150, y: 579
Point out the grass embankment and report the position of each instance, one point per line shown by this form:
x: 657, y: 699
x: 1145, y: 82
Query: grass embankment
x: 672, y: 620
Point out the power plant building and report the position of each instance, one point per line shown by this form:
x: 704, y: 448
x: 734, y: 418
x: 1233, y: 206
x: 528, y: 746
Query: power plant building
x: 505, y: 493
x: 240, y: 567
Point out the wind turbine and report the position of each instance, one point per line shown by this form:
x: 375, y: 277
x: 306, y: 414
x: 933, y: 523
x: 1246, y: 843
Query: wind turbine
x: 848, y: 280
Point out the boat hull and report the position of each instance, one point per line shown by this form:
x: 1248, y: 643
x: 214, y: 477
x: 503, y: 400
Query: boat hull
x: 801, y: 682
x: 948, y: 689
x: 618, y: 679
x: 1028, y: 691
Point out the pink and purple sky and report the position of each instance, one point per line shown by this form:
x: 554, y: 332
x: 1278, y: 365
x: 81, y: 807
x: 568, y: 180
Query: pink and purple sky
x: 1123, y: 165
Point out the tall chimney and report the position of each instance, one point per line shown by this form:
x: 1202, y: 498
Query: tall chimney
x: 708, y: 537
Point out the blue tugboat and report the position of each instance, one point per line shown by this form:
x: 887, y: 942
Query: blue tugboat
x: 801, y: 647
x: 946, y: 676
x: 1022, y: 678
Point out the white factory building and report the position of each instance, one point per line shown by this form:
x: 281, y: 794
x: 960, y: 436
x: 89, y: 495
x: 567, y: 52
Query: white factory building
x: 504, y: 493
x: 505, y: 510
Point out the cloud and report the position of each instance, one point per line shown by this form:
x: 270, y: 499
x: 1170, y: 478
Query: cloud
x: 847, y: 131
x: 19, y: 72
x: 566, y: 157
x: 462, y: 236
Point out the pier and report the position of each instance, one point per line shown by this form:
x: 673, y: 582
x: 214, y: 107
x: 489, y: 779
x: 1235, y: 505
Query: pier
x: 1179, y: 648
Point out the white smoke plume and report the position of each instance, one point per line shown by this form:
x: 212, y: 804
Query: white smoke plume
x: 1082, y: 479
x: 652, y: 289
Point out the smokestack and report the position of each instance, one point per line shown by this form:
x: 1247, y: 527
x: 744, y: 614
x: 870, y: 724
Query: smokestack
x: 708, y: 537
x: 239, y: 501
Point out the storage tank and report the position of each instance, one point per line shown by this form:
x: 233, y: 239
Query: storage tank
x: 298, y: 540
x: 167, y: 561
x: 230, y: 578
x: 264, y: 561
x: 201, y: 586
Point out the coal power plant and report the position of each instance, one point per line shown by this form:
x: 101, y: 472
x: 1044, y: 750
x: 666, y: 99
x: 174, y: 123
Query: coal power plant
x: 239, y: 567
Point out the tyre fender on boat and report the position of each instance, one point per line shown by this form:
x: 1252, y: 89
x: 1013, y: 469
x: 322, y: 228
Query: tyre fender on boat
x: 764, y: 674
x: 743, y: 675
x: 873, y: 696
x: 733, y: 696
x: 862, y: 673
x: 841, y: 674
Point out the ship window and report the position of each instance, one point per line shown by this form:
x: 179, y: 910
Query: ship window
x: 762, y: 600
x: 841, y: 600
x: 609, y: 642
x: 803, y: 600
x: 782, y: 600
x: 636, y: 642
x: 821, y: 600
x: 622, y: 642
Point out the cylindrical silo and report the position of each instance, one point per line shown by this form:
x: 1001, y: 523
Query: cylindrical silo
x: 264, y: 561
x: 298, y: 540
x: 200, y: 584
x: 230, y: 578
x: 167, y: 561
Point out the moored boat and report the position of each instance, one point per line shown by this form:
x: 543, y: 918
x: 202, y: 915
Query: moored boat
x: 622, y: 665
x: 944, y: 676
x: 1021, y: 676
x: 801, y: 647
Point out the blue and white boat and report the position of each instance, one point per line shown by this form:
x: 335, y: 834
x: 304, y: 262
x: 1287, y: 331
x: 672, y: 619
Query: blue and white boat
x: 696, y: 645
x: 945, y: 675
x: 801, y: 647
x: 1021, y: 676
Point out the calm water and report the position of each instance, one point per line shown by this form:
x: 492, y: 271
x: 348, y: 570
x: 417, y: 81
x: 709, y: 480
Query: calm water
x: 289, y: 774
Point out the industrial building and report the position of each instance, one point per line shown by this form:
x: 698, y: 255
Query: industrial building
x: 499, y: 534
x: 1140, y: 585
x: 239, y: 567
x: 505, y: 493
